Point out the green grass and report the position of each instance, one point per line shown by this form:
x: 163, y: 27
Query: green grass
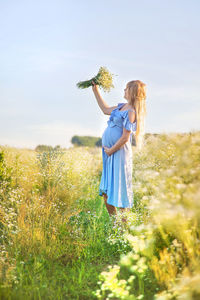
x: 57, y: 240
x: 71, y: 272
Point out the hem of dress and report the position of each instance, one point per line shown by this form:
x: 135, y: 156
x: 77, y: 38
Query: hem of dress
x: 121, y: 206
x: 101, y: 191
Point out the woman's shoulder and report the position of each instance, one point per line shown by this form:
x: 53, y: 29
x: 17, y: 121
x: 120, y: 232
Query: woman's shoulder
x: 128, y: 107
x: 120, y: 104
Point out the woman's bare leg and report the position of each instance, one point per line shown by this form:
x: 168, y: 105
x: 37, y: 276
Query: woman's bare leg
x: 110, y: 208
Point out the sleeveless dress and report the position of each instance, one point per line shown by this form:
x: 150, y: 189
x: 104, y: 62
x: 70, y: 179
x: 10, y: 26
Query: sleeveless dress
x: 116, y: 178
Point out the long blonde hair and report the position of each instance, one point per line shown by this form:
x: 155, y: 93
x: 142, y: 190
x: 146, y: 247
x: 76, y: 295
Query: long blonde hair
x: 137, y: 97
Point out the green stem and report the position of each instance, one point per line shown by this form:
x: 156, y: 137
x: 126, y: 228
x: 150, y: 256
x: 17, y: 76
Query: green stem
x: 141, y: 284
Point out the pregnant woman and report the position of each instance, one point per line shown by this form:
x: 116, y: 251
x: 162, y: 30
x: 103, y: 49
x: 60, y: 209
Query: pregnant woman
x: 125, y: 120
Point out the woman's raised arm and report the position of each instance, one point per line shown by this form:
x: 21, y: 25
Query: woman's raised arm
x: 102, y: 104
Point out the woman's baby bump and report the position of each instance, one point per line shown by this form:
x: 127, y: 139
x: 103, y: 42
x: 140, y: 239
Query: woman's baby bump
x: 111, y: 135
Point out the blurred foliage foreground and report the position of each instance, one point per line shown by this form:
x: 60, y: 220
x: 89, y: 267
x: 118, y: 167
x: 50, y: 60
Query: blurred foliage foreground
x: 58, y: 242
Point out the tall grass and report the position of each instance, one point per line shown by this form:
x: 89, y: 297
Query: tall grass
x: 53, y: 224
x: 164, y: 262
x: 58, y: 242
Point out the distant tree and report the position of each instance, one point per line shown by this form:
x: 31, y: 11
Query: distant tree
x: 57, y: 147
x: 76, y: 140
x: 99, y: 143
x: 41, y: 148
x: 95, y: 141
x: 89, y: 141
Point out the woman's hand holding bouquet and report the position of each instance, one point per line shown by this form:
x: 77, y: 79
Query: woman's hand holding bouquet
x: 104, y: 79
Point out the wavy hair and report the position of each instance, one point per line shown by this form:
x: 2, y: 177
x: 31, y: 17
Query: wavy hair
x: 137, y: 96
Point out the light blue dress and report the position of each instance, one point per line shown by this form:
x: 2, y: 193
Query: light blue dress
x: 116, y: 178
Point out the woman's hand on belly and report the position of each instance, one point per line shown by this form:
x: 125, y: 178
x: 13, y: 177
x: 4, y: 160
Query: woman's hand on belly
x: 119, y: 144
x: 108, y: 150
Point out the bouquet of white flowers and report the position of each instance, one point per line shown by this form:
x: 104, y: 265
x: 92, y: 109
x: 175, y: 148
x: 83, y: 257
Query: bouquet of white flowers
x: 104, y: 79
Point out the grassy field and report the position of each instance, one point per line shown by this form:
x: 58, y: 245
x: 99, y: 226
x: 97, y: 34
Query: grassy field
x: 58, y: 242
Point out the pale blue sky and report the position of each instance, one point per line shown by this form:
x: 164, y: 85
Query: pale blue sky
x: 46, y: 47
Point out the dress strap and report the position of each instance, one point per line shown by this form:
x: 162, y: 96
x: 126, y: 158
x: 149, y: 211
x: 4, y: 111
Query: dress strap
x: 121, y: 104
